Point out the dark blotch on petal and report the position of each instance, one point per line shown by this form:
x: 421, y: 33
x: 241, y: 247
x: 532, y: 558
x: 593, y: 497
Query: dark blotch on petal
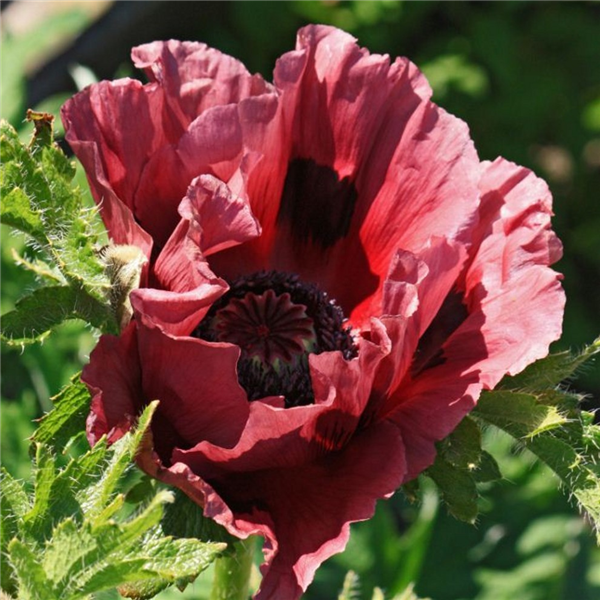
x: 316, y: 204
x: 451, y: 315
x: 166, y: 437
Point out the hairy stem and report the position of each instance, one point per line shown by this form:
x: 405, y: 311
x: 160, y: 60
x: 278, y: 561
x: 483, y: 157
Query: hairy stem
x: 232, y: 572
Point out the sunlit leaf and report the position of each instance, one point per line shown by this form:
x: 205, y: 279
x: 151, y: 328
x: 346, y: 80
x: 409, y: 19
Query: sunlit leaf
x: 70, y: 539
x: 40, y: 200
x: 547, y: 421
x: 67, y: 419
x: 37, y: 314
x: 351, y: 587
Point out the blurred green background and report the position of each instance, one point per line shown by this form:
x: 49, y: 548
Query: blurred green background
x: 525, y: 76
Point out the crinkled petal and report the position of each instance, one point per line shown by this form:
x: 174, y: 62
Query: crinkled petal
x: 189, y: 287
x: 305, y: 511
x: 114, y: 128
x: 406, y: 169
x: 114, y: 379
x: 428, y: 408
x: 275, y: 437
x: 509, y: 279
x: 514, y: 232
x: 514, y: 305
x: 123, y: 119
x: 329, y: 82
x: 224, y: 219
x: 213, y: 218
x: 143, y: 144
x: 111, y: 129
x: 211, y: 144
x: 195, y: 77
x: 413, y: 293
x: 196, y: 384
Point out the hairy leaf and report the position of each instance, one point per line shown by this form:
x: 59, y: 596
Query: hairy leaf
x: 35, y: 315
x: 457, y: 487
x: 547, y: 373
x: 40, y: 200
x: 71, y: 539
x: 183, y: 519
x: 67, y: 419
x: 460, y: 464
x: 548, y: 421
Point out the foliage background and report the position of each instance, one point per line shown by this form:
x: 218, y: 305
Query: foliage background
x: 525, y: 77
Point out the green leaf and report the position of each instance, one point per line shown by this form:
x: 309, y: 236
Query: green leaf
x: 67, y: 419
x: 42, y: 270
x: 73, y: 537
x: 547, y: 373
x: 184, y: 518
x: 547, y: 421
x: 177, y: 561
x: 98, y: 497
x: 463, y: 448
x: 14, y: 497
x: 35, y: 315
x: 40, y: 200
x: 460, y: 464
x: 15, y: 504
x: 543, y: 418
x: 457, y: 487
x: 17, y: 212
x: 519, y: 411
x: 33, y: 583
x: 487, y: 469
x: 38, y: 521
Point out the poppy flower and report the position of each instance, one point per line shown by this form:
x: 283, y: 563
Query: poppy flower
x: 333, y: 279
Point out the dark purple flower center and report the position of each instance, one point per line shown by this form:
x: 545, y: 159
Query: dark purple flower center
x: 277, y: 321
x: 266, y: 326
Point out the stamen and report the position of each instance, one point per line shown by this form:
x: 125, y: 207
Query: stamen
x: 277, y: 320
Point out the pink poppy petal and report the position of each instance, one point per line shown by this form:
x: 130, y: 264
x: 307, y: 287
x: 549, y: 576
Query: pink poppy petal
x: 122, y: 118
x: 177, y: 313
x: 92, y: 136
x: 413, y: 293
x: 343, y: 486
x: 514, y: 232
x: 429, y: 407
x: 273, y: 438
x: 510, y: 266
x: 501, y: 338
x: 189, y: 287
x: 515, y: 305
x: 219, y: 142
x: 521, y: 321
x: 201, y: 404
x: 305, y: 511
x: 113, y: 377
x: 328, y: 82
x: 196, y: 77
x: 224, y: 219
x: 397, y: 167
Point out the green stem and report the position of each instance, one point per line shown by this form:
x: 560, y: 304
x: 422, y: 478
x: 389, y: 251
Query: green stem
x: 232, y: 572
